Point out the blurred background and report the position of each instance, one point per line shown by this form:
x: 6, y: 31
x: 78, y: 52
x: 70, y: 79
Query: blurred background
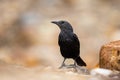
x: 28, y: 38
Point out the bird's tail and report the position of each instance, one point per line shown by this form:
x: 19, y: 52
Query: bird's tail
x: 80, y: 62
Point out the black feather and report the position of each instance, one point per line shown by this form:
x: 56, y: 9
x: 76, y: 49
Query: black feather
x: 69, y: 43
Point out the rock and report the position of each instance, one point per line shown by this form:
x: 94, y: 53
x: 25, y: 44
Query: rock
x: 110, y: 56
x: 104, y: 74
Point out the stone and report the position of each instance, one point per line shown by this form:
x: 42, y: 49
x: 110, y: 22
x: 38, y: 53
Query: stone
x: 110, y: 56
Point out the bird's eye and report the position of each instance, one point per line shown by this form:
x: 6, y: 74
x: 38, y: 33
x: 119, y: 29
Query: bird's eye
x: 62, y: 22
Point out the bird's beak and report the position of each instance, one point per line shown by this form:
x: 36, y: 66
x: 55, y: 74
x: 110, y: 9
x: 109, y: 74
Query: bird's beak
x: 55, y: 22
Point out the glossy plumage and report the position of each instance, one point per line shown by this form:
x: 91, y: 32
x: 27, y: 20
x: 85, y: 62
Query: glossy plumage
x: 69, y: 43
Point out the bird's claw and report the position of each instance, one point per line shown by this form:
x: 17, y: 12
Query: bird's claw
x: 68, y: 66
x: 72, y: 65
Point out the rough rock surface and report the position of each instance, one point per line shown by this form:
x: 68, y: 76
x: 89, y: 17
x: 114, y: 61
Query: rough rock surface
x: 110, y: 56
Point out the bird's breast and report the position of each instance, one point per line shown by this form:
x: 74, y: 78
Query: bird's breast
x: 65, y: 38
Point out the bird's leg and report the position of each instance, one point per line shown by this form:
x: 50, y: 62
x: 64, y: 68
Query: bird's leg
x: 63, y: 64
x: 75, y: 64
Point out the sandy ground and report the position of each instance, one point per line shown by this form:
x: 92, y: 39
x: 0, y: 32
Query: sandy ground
x: 41, y: 72
x: 15, y: 72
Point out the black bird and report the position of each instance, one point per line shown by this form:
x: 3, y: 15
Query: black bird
x: 69, y: 43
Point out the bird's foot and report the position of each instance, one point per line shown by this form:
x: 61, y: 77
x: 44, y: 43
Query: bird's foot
x: 70, y: 66
x: 67, y: 66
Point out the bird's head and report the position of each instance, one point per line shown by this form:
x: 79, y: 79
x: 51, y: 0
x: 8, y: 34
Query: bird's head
x: 63, y: 25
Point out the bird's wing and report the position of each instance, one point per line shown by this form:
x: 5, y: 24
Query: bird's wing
x: 73, y: 41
